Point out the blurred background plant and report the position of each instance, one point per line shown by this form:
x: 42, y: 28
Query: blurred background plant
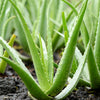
x: 35, y: 14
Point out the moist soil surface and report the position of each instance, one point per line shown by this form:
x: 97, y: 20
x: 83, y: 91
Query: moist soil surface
x: 12, y: 88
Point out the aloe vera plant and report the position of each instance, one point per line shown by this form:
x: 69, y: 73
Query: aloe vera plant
x: 93, y: 57
x: 50, y: 86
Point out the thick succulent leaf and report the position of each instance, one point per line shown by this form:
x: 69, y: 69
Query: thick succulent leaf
x: 93, y: 70
x: 57, y: 40
x: 20, y: 32
x: 78, y: 56
x: 66, y: 33
x: 92, y: 66
x: 25, y: 14
x: 85, y: 73
x: 96, y: 4
x: 43, y: 20
x: 2, y: 14
x: 73, y: 82
x: 67, y: 58
x: 5, y: 26
x: 42, y: 78
x: 43, y: 53
x: 13, y: 54
x: 85, y: 35
x: 3, y: 64
x: 49, y: 47
x: 97, y: 44
x: 50, y: 58
x: 30, y: 83
x: 1, y: 51
x: 88, y: 20
x: 33, y: 9
x: 53, y: 14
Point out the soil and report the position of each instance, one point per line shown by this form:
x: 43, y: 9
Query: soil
x: 12, y: 88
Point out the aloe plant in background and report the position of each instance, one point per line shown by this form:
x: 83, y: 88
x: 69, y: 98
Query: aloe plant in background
x: 50, y: 86
x: 34, y: 19
x: 90, y: 26
x: 4, y: 23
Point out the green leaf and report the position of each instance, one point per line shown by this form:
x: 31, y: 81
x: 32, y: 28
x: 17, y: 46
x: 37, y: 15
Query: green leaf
x: 66, y: 33
x: 67, y: 58
x: 13, y: 54
x: 33, y: 9
x: 3, y: 14
x: 43, y: 20
x: 56, y: 37
x: 43, y: 52
x: 70, y: 5
x: 20, y: 32
x: 28, y: 80
x: 50, y: 58
x: 92, y: 66
x: 73, y: 82
x: 42, y: 78
x: 3, y: 64
x: 5, y: 26
x: 97, y: 44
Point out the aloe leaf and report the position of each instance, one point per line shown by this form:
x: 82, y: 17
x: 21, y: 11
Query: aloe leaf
x: 2, y: 15
x: 93, y: 71
x: 25, y: 14
x: 43, y: 20
x: 96, y: 4
x: 73, y: 82
x: 70, y: 5
x: 64, y: 22
x: 5, y: 26
x: 13, y: 54
x: 28, y: 80
x: 66, y: 33
x: 42, y: 78
x: 85, y: 73
x: 67, y: 58
x: 85, y: 34
x: 1, y: 5
x: 33, y: 8
x: 20, y: 32
x: 1, y: 51
x: 97, y: 44
x: 53, y: 14
x: 43, y: 53
x: 92, y: 66
x: 3, y: 64
x: 50, y: 58
x: 56, y: 37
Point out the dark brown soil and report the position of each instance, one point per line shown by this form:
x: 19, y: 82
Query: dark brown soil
x: 12, y: 88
